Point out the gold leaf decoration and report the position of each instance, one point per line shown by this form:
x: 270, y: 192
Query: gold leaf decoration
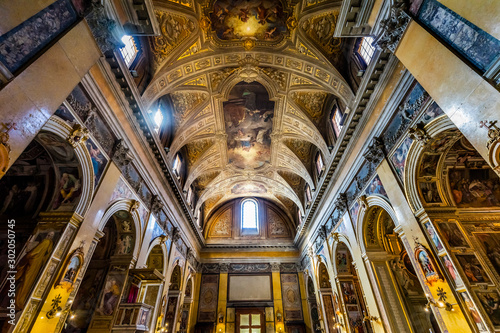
x: 174, y: 30
x: 321, y: 28
x: 311, y: 101
x: 294, y: 180
x: 184, y: 102
x: 211, y: 202
x: 289, y: 204
x: 302, y: 149
x: 202, y: 181
x: 196, y: 149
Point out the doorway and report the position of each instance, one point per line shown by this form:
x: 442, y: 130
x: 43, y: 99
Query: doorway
x: 250, y: 321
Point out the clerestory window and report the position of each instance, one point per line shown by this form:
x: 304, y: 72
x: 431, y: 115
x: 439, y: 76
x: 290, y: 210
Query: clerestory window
x: 366, y: 49
x: 249, y: 216
x: 129, y: 51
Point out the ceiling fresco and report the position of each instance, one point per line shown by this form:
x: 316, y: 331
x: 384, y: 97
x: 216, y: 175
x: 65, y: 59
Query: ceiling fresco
x: 250, y: 82
x: 248, y: 115
x: 259, y: 19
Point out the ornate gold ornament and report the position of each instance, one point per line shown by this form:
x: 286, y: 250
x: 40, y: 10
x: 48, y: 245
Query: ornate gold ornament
x: 291, y: 23
x: 248, y: 44
x: 311, y: 101
x: 321, y: 30
x: 174, y: 30
x: 205, y: 23
x: 134, y: 205
x: 427, y: 264
x: 71, y: 269
x: 419, y: 133
x: 5, y: 147
x: 249, y: 69
x: 78, y: 135
x: 493, y: 131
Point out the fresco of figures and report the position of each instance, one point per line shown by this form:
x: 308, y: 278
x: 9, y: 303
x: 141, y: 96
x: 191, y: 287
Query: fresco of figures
x: 249, y: 119
x: 261, y: 19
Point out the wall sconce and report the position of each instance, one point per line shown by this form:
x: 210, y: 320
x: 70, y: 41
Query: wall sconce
x: 441, y: 302
x: 221, y: 318
x: 370, y: 318
x: 56, y: 310
x: 279, y: 316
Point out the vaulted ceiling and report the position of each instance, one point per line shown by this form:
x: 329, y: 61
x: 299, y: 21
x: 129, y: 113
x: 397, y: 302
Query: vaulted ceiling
x: 251, y: 83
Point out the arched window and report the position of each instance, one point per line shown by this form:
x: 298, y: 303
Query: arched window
x: 177, y: 165
x: 337, y: 120
x: 320, y: 165
x: 299, y: 215
x: 158, y: 119
x: 308, y: 195
x: 189, y: 196
x: 129, y: 51
x: 249, y: 216
x: 366, y: 49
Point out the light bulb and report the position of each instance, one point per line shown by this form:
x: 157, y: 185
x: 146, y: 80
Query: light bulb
x: 58, y: 314
x: 440, y: 304
x: 72, y: 316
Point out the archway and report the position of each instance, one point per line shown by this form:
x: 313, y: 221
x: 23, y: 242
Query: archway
x: 351, y: 298
x: 395, y: 275
x: 151, y: 288
x: 327, y: 298
x: 42, y: 191
x: 174, y: 290
x: 105, y: 284
x: 457, y: 195
x: 186, y: 306
x: 313, y: 305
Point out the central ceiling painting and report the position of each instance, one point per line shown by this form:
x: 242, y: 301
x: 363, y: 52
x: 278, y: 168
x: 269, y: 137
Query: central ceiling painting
x: 260, y: 19
x: 248, y: 115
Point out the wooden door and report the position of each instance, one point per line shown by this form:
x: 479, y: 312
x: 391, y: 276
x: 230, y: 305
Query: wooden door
x: 250, y: 321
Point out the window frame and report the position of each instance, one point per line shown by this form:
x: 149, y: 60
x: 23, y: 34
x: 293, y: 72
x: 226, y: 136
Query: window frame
x: 158, y: 127
x: 189, y: 196
x: 308, y: 194
x: 366, y: 50
x: 125, y: 51
x: 337, y: 127
x: 319, y: 170
x: 177, y: 165
x: 247, y: 230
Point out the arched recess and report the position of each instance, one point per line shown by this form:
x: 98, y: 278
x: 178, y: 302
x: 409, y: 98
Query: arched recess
x: 173, y: 299
x: 393, y: 273
x: 456, y: 197
x: 185, y: 310
x: 441, y: 126
x: 351, y: 301
x: 327, y: 297
x: 313, y: 305
x: 106, y: 286
x: 151, y: 290
x: 46, y: 192
x: 224, y: 226
x: 128, y: 206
